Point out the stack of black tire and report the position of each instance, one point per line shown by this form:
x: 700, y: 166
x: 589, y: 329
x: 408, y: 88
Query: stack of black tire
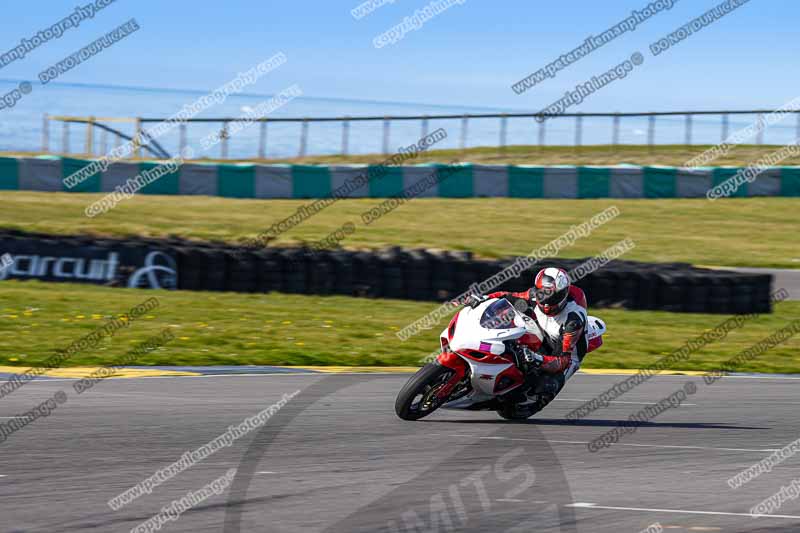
x: 429, y: 275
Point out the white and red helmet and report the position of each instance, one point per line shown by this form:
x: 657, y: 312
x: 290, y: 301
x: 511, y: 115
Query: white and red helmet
x: 551, y: 288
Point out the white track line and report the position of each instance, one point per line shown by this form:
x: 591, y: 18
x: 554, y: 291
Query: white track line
x: 684, y: 376
x: 674, y: 511
x: 665, y: 446
x: 50, y: 380
x: 152, y: 397
x: 206, y: 376
x: 761, y: 450
x: 615, y: 401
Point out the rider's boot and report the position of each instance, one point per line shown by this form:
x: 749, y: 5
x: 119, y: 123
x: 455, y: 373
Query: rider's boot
x: 549, y: 387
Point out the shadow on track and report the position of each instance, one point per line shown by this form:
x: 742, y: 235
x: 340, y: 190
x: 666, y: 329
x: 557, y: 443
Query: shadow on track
x: 595, y: 423
x: 476, y: 486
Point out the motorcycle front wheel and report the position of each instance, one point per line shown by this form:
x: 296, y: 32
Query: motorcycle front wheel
x: 418, y: 398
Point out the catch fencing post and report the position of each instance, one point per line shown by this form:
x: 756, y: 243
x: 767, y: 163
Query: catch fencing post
x: 46, y: 134
x: 688, y: 140
x: 386, y: 125
x: 137, y: 139
x: 303, y: 137
x: 761, y: 127
x: 651, y: 132
x: 541, y: 131
x: 725, y: 125
x: 262, y: 141
x: 424, y: 127
x: 90, y: 136
x: 345, y: 135
x: 223, y: 135
x: 103, y: 142
x: 615, y: 133
x: 578, y: 130
x: 503, y: 130
x: 182, y: 138
x: 65, y: 137
x: 464, y: 125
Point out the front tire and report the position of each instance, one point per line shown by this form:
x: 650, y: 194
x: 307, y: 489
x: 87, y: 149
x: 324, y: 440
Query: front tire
x: 417, y: 398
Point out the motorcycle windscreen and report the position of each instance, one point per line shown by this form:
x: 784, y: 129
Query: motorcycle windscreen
x: 499, y: 315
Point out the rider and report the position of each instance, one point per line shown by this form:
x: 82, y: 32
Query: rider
x: 559, y: 308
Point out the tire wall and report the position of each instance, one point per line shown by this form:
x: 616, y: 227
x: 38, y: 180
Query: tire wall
x: 415, y: 274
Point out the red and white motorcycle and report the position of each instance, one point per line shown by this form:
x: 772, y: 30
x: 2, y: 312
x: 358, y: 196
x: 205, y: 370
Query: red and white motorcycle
x: 483, y: 365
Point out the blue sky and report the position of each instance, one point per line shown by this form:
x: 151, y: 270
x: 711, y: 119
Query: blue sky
x: 469, y: 55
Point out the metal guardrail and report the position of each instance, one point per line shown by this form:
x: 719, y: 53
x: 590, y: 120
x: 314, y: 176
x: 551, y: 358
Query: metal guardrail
x: 142, y: 141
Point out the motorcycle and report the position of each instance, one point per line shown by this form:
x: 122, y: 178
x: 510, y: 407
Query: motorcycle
x: 488, y: 362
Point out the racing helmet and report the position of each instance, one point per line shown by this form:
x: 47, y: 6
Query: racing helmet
x: 551, y: 289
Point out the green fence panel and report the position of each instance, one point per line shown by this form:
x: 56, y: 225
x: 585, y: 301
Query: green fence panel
x: 790, y: 181
x: 70, y: 167
x: 385, y: 182
x: 166, y: 184
x: 310, y: 181
x: 720, y: 175
x: 455, y: 181
x: 9, y: 174
x: 236, y: 181
x: 525, y: 182
x: 593, y: 182
x: 659, y: 182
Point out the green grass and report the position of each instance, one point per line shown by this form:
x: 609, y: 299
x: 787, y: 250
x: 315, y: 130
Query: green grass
x: 228, y: 328
x: 671, y: 155
x: 734, y: 232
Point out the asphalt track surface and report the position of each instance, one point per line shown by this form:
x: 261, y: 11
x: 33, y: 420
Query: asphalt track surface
x: 784, y: 278
x: 336, y: 458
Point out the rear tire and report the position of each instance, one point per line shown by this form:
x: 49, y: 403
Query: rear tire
x: 510, y: 409
x: 511, y: 412
x: 417, y: 398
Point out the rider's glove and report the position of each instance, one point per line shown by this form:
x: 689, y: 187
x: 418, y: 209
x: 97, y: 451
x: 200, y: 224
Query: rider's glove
x: 531, y: 356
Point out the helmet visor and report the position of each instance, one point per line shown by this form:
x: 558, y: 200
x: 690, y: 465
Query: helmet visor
x: 550, y: 297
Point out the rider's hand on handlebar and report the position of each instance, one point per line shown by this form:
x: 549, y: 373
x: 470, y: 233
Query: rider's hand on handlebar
x: 532, y: 357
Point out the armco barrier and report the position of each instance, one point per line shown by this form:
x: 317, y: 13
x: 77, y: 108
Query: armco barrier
x: 46, y: 173
x: 391, y: 273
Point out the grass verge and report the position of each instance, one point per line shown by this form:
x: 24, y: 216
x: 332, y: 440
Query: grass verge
x: 669, y: 155
x: 279, y: 329
x: 759, y: 232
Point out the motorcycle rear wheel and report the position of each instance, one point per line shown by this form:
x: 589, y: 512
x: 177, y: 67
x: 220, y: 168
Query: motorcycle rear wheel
x: 417, y: 398
x: 511, y: 412
x: 510, y: 409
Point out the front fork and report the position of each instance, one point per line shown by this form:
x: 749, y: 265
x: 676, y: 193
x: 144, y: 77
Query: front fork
x: 459, y: 368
